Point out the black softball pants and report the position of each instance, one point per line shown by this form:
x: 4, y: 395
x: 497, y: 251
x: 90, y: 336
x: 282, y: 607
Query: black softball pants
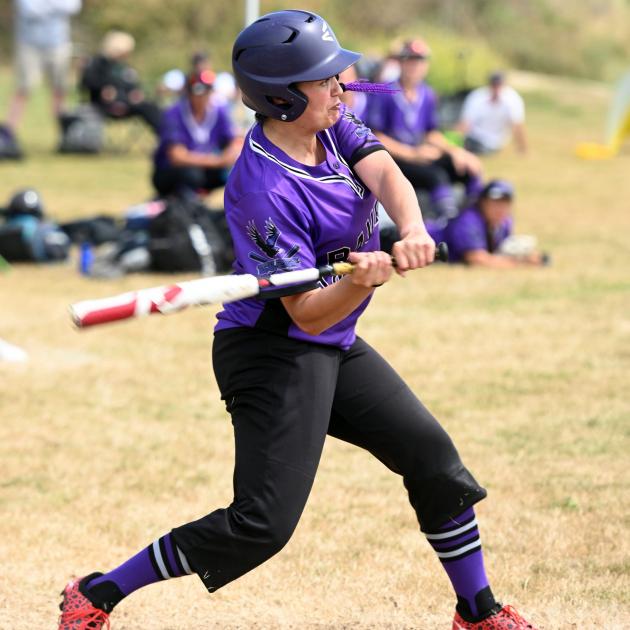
x: 177, y: 179
x: 428, y: 176
x: 284, y: 397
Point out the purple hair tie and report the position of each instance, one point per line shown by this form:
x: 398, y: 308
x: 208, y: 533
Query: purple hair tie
x: 366, y: 86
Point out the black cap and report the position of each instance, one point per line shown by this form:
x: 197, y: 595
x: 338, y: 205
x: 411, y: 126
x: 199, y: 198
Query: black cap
x: 496, y: 78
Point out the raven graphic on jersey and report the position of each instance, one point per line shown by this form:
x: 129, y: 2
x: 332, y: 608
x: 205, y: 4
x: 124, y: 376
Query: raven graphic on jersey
x: 361, y: 131
x: 274, y: 258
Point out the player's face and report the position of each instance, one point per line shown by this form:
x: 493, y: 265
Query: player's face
x: 199, y: 102
x: 413, y: 70
x: 324, y: 100
x: 496, y: 211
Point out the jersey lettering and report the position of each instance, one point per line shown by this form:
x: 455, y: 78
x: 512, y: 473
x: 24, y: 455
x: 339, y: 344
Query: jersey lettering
x: 337, y: 255
x: 370, y: 225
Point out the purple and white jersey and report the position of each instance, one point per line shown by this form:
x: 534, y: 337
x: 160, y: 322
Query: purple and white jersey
x: 284, y: 216
x: 179, y: 126
x: 401, y: 119
x: 468, y: 232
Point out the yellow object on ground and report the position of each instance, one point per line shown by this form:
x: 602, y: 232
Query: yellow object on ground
x: 595, y: 151
x: 617, y: 127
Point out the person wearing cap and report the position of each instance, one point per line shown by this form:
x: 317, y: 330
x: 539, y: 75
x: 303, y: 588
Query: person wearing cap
x: 490, y: 115
x: 197, y: 142
x: 201, y: 61
x: 113, y: 86
x: 406, y: 122
x: 477, y: 237
x: 291, y: 368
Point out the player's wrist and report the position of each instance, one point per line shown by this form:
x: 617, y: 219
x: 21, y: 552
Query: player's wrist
x: 413, y: 229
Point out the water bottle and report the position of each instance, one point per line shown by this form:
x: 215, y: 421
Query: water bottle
x: 86, y: 258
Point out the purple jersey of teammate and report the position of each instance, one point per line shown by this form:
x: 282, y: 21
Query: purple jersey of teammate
x: 401, y: 119
x: 179, y: 126
x: 284, y: 215
x: 468, y: 231
x: 359, y: 105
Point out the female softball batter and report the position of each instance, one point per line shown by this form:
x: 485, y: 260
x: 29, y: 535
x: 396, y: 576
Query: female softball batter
x: 292, y: 370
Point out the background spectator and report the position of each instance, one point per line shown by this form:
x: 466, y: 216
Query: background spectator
x: 490, y: 114
x: 113, y: 85
x: 356, y: 101
x: 197, y: 142
x: 407, y: 124
x: 476, y: 236
x: 201, y: 61
x: 42, y: 43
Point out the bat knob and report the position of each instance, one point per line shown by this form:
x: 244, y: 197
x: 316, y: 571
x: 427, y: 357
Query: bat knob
x: 441, y: 252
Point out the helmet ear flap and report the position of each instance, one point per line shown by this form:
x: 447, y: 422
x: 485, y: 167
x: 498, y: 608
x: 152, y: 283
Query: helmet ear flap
x: 286, y: 108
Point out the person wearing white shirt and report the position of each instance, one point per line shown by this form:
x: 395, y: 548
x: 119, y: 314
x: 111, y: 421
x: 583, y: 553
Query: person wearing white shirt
x: 490, y: 115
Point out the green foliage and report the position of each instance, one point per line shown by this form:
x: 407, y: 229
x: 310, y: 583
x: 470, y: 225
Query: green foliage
x: 586, y: 39
x: 458, y: 61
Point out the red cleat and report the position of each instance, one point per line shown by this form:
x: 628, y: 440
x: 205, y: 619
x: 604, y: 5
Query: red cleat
x: 505, y: 618
x: 77, y: 611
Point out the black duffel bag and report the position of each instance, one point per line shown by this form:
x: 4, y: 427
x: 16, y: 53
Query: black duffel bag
x: 188, y: 236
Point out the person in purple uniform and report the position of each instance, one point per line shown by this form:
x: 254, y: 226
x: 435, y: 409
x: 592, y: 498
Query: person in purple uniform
x: 292, y: 370
x: 197, y: 143
x: 407, y: 124
x: 476, y: 236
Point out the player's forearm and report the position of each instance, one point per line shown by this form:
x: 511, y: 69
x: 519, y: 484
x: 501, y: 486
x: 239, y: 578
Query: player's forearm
x: 318, y: 310
x: 397, y: 149
x: 482, y: 258
x: 436, y: 139
x: 383, y: 177
x: 182, y: 157
x: 401, y: 203
x: 520, y: 138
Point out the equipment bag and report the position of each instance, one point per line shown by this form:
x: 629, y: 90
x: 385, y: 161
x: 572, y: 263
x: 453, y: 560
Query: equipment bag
x: 28, y: 239
x: 95, y: 230
x: 186, y: 237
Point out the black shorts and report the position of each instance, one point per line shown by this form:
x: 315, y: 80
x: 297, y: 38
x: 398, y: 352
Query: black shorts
x: 284, y: 397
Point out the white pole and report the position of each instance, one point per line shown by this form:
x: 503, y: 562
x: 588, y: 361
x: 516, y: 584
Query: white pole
x: 252, y: 11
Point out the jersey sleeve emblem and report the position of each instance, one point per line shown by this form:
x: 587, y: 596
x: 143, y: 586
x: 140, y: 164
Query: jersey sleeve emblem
x: 273, y: 258
x: 361, y: 131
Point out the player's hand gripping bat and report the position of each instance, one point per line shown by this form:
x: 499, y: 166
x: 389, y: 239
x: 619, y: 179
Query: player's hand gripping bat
x: 216, y: 290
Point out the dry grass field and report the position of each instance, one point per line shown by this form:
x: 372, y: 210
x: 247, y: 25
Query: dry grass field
x: 111, y: 437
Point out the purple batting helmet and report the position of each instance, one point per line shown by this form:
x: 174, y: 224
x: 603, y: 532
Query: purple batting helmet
x: 281, y: 49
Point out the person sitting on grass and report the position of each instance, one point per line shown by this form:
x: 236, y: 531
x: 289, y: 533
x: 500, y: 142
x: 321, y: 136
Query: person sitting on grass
x: 481, y: 235
x: 197, y: 144
x: 490, y: 115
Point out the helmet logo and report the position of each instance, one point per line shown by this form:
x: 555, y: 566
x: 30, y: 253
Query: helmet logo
x: 30, y: 198
x: 327, y: 35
